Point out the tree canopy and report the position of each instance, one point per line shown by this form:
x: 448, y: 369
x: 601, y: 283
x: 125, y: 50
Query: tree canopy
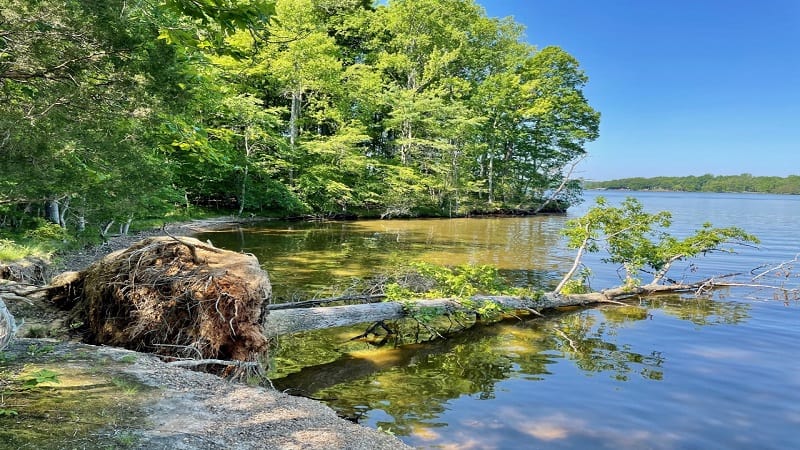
x: 120, y: 110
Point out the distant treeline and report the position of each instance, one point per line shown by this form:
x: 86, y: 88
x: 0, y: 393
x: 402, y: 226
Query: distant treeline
x: 705, y: 183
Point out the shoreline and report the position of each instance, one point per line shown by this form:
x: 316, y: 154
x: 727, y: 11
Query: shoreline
x: 189, y: 410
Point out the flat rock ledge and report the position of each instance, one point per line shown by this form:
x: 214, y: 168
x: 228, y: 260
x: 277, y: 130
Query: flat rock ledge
x: 194, y: 410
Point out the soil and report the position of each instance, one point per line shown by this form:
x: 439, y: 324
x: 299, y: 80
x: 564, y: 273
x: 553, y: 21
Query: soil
x: 180, y: 409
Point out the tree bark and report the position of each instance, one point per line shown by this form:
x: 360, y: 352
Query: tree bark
x: 51, y: 210
x: 288, y: 321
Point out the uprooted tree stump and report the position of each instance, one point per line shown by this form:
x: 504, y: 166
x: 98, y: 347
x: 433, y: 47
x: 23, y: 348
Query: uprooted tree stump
x: 170, y: 296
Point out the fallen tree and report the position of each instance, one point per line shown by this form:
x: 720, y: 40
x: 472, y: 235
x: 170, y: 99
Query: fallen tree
x: 634, y: 239
x: 295, y: 320
x: 184, y: 298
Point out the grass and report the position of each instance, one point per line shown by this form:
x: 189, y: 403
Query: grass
x: 12, y: 250
x: 128, y: 359
x: 128, y: 386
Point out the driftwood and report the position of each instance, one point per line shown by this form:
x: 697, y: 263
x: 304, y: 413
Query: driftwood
x: 7, y: 325
x: 289, y: 321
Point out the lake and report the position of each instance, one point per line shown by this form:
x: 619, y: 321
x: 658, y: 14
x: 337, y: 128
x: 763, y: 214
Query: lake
x: 669, y: 372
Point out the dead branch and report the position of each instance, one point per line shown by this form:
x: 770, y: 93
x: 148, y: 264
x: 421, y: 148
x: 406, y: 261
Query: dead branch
x: 786, y: 265
x: 371, y: 330
x: 220, y: 362
x: 321, y: 301
x: 567, y: 179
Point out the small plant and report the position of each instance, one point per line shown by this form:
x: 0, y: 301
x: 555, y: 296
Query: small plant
x: 40, y: 377
x: 128, y: 359
x: 433, y: 281
x: 386, y: 430
x: 48, y: 232
x: 424, y: 314
x: 127, y: 386
x: 7, y: 412
x: 38, y: 350
x: 574, y: 286
x: 36, y: 332
x: 490, y: 310
x: 126, y: 440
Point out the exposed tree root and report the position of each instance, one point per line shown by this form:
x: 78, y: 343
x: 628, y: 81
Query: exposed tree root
x: 171, y: 296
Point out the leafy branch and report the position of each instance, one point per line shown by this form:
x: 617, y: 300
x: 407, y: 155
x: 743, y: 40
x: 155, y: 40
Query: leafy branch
x: 640, y: 243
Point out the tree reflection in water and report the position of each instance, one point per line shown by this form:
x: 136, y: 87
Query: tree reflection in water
x: 409, y: 386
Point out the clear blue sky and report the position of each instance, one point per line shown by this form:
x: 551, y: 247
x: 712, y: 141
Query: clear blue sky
x: 685, y: 87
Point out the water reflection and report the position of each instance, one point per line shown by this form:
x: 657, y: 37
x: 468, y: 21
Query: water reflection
x: 409, y: 388
x: 309, y: 258
x: 669, y: 373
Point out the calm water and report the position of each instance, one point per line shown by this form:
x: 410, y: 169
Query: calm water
x: 669, y: 373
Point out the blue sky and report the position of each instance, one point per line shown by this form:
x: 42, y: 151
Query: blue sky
x: 684, y: 87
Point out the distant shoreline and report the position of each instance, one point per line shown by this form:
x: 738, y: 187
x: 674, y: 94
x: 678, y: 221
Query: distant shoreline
x: 739, y: 184
x: 687, y: 192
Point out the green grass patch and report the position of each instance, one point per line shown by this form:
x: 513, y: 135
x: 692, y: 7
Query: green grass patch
x: 11, y: 250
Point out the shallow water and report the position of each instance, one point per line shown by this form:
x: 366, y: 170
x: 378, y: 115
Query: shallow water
x: 669, y: 373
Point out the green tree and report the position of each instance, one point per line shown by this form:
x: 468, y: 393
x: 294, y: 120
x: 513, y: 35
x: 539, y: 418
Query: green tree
x: 639, y: 240
x: 79, y: 79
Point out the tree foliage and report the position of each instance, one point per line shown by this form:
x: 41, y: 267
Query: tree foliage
x: 120, y: 110
x: 639, y: 241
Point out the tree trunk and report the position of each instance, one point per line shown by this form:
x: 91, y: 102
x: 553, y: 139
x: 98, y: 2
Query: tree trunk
x: 7, y: 326
x: 575, y: 263
x: 565, y: 180
x: 294, y: 117
x: 104, y: 229
x: 244, y: 176
x: 62, y: 218
x: 405, y: 147
x: 294, y: 132
x: 51, y: 211
x: 287, y: 321
x: 125, y: 227
x: 491, y: 177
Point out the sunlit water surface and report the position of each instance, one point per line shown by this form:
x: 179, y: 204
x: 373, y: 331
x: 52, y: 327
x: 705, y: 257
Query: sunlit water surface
x: 676, y: 373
